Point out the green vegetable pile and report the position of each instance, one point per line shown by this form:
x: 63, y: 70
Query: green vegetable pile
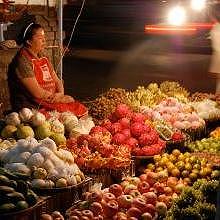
x: 14, y: 193
x: 197, y: 202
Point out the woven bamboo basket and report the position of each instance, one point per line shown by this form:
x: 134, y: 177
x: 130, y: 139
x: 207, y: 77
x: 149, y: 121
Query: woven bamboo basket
x: 32, y: 213
x: 108, y: 176
x: 63, y: 198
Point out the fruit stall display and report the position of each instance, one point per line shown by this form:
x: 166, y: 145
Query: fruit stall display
x: 200, y: 96
x: 56, y: 215
x: 51, y: 151
x: 154, y: 94
x: 15, y: 193
x: 184, y: 165
x: 207, y: 109
x: 47, y: 166
x: 148, y: 196
x: 105, y: 104
x: 33, y: 123
x: 209, y: 145
x: 133, y: 130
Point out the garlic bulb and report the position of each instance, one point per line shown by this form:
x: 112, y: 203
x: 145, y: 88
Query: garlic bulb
x: 25, y: 114
x: 12, y: 119
x: 56, y: 126
x: 38, y: 119
x: 49, y: 143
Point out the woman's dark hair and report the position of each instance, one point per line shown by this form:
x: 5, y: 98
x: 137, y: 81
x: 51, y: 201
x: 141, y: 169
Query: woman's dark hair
x: 27, y: 33
x: 216, y: 11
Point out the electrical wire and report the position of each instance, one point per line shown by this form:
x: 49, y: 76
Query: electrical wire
x: 71, y: 35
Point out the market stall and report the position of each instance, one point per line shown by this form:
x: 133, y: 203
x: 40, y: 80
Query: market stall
x: 152, y: 153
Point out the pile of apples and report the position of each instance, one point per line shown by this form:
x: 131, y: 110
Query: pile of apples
x: 146, y: 197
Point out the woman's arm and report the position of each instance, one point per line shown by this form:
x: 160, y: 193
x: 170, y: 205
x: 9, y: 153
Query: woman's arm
x: 31, y: 84
x: 37, y: 92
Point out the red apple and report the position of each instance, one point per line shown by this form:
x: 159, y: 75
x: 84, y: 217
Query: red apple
x: 150, y: 209
x: 143, y: 177
x: 96, y: 208
x: 128, y: 188
x: 162, y: 198
x: 168, y: 190
x: 95, y: 196
x: 100, y: 217
x: 76, y: 212
x: 134, y: 193
x: 151, y: 178
x: 139, y: 203
x: 134, y: 180
x: 161, y: 208
x: 143, y: 187
x: 116, y: 189
x: 108, y: 197
x: 120, y: 216
x: 124, y: 184
x: 74, y: 217
x: 125, y: 201
x: 83, y: 205
x: 85, y: 218
x: 87, y: 213
x: 132, y: 218
x: 146, y: 216
x: 152, y: 189
x: 172, y: 182
x: 134, y: 212
x: 159, y: 187
x: 150, y: 197
x: 110, y: 208
x: 85, y: 195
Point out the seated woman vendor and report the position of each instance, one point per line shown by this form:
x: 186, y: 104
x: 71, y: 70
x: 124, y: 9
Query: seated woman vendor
x: 32, y: 80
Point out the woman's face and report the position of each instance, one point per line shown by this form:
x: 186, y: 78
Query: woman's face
x: 38, y: 41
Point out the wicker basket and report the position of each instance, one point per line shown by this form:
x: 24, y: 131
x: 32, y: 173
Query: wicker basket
x: 196, y: 134
x: 32, y: 213
x: 63, y: 198
x: 140, y: 163
x: 109, y: 176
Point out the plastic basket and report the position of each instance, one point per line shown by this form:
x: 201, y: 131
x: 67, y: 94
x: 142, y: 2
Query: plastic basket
x: 63, y: 198
x: 32, y: 213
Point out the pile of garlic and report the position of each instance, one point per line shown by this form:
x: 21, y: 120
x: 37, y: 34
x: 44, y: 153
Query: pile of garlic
x: 47, y: 166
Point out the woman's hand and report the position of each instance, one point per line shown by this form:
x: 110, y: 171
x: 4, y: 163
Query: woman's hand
x: 60, y: 98
x: 67, y: 99
x: 57, y: 97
